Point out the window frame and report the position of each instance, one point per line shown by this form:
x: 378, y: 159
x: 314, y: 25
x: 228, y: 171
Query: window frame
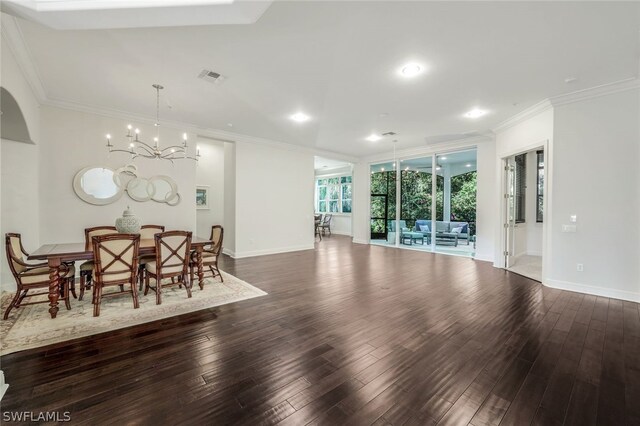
x: 341, y: 191
x: 520, y: 192
x: 539, y: 167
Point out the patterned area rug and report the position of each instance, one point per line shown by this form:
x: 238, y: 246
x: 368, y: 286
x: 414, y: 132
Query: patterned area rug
x: 32, y: 327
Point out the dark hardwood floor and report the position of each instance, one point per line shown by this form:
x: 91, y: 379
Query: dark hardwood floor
x: 354, y: 334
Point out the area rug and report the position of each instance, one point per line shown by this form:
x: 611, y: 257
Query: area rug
x: 32, y: 327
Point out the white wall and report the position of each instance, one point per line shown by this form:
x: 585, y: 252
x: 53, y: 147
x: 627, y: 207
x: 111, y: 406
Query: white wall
x: 486, y: 200
x: 72, y: 140
x: 229, y: 212
x: 210, y: 172
x: 596, y: 177
x: 361, y: 228
x: 274, y: 199
x: 19, y: 192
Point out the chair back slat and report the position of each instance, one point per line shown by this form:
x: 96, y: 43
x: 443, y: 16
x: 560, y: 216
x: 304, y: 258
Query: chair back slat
x: 89, y: 233
x: 217, y: 236
x: 172, y: 252
x: 116, y: 257
x: 15, y: 255
x: 148, y: 232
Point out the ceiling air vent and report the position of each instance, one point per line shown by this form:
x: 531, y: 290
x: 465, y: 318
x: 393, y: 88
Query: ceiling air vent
x: 210, y: 76
x: 389, y: 134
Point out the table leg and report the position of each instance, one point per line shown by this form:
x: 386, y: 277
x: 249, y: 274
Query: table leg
x: 200, y: 269
x: 54, y: 286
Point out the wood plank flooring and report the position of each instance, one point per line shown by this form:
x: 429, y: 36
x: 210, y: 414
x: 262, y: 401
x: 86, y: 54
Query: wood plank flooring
x: 354, y: 335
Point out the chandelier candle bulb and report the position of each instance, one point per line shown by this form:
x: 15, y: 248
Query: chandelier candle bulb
x: 139, y: 148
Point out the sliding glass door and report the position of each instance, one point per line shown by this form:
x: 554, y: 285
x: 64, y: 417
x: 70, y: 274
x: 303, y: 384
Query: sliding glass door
x: 435, y: 199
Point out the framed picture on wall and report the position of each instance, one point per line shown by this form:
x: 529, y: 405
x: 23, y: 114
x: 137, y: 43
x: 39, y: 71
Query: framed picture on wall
x: 202, y: 197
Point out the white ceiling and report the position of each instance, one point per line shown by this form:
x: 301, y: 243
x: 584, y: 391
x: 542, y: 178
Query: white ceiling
x: 338, y: 62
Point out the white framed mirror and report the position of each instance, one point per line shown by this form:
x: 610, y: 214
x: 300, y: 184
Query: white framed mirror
x: 97, y: 185
x: 101, y: 185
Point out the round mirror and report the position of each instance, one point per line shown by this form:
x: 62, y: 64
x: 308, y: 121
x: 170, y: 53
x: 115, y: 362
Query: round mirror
x: 140, y: 189
x: 96, y: 185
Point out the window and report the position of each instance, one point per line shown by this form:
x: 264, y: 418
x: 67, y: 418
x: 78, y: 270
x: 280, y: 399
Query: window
x: 521, y: 187
x: 540, y: 186
x: 333, y: 194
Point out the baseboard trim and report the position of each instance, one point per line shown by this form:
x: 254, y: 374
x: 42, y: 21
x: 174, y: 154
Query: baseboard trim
x: 484, y: 258
x: 254, y: 253
x: 360, y: 241
x: 593, y: 290
x: 348, y: 234
x: 229, y: 253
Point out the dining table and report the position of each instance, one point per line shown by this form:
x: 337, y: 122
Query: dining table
x: 57, y: 254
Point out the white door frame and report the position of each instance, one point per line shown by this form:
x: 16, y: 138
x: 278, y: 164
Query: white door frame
x: 547, y: 147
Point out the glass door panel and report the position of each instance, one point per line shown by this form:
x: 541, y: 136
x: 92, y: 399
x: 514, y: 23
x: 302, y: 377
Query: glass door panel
x: 456, y: 191
x: 383, y: 204
x: 416, y: 179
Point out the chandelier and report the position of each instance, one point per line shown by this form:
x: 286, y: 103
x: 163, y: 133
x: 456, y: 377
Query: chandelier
x: 138, y: 148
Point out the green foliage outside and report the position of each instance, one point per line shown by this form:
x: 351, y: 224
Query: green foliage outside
x: 463, y: 199
x: 416, y: 198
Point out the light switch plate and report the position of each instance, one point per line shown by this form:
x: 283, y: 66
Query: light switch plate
x: 573, y: 218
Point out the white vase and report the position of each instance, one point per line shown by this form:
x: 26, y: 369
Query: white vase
x: 128, y: 223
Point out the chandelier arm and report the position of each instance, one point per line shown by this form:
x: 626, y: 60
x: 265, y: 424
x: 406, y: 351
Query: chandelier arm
x: 148, y: 151
x: 177, y: 147
x: 145, y: 145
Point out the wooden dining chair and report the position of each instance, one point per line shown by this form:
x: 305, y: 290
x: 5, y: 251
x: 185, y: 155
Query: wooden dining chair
x: 173, y: 250
x: 33, y: 276
x: 210, y: 255
x: 86, y: 268
x: 147, y: 232
x: 115, y: 264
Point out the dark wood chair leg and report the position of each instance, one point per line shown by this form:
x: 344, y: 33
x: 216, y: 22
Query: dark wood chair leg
x: 67, y: 302
x: 146, y: 284
x: 134, y: 293
x: 158, y: 291
x: 83, y: 279
x: 97, y: 291
x: 13, y: 304
x: 72, y: 286
x: 187, y: 285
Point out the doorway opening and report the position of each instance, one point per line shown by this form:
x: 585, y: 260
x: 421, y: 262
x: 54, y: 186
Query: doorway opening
x: 524, y: 212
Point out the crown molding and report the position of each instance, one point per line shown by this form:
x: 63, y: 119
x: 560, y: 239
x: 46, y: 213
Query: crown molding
x: 568, y: 98
x: 523, y: 116
x: 12, y: 34
x: 596, y: 92
x: 453, y: 145
x: 205, y: 132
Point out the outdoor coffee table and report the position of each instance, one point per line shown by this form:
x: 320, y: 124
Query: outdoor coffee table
x: 412, y: 236
x: 447, y: 237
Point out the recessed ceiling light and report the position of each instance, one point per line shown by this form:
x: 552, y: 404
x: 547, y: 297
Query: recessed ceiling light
x: 230, y: 124
x: 411, y: 70
x: 373, y: 138
x: 300, y: 117
x: 475, y: 113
